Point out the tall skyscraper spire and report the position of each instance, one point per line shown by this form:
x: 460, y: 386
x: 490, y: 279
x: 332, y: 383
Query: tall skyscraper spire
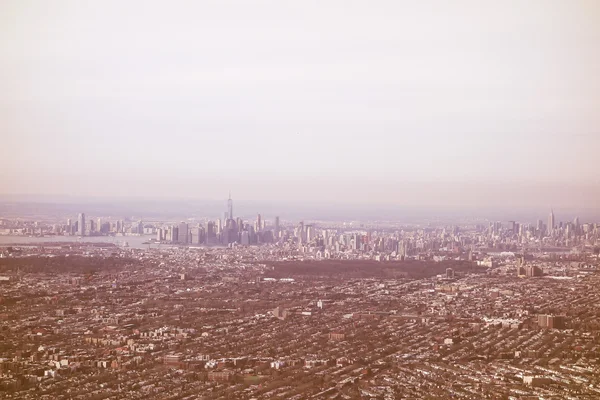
x: 230, y: 207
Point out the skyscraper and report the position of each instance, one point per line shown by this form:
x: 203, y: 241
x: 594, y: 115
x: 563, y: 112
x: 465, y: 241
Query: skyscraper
x: 540, y: 225
x: 511, y: 226
x: 211, y: 233
x: 200, y: 235
x: 230, y: 207
x: 258, y: 223
x: 245, y: 238
x: 81, y: 224
x: 276, y: 227
x: 300, y: 232
x: 174, y: 233
x: 551, y: 223
x: 183, y: 233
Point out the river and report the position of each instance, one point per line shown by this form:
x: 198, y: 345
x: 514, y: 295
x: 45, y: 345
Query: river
x: 133, y: 241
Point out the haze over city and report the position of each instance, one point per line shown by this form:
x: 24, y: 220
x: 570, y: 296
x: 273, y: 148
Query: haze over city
x: 473, y: 103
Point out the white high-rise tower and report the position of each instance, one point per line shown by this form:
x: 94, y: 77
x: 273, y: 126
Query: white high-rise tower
x: 551, y: 223
x: 230, y: 207
x: 81, y: 224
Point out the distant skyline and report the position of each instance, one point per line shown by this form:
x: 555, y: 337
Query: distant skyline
x: 396, y: 103
x: 149, y: 208
x: 486, y: 196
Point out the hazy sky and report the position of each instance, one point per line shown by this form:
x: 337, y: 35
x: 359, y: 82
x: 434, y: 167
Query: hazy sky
x: 406, y: 102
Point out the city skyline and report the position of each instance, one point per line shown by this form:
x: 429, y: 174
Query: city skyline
x: 195, y: 208
x: 486, y: 199
x: 552, y: 223
x: 315, y: 236
x: 240, y: 229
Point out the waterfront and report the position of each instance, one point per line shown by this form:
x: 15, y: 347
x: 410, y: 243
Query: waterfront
x: 136, y: 242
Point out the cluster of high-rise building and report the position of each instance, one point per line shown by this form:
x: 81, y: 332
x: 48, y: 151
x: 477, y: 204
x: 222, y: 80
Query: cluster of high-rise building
x: 524, y: 270
x: 330, y: 240
x: 98, y: 227
x: 568, y: 230
x: 229, y: 230
x: 559, y: 234
x: 551, y: 321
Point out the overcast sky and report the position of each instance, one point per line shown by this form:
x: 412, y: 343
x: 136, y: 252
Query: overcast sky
x: 400, y: 102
